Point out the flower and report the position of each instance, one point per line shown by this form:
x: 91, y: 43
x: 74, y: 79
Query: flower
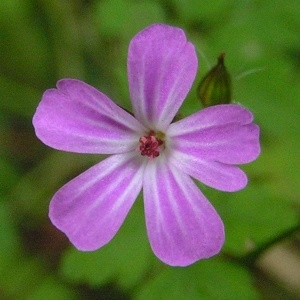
x: 147, y: 152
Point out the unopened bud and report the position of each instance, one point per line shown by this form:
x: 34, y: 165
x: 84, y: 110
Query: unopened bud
x: 215, y: 87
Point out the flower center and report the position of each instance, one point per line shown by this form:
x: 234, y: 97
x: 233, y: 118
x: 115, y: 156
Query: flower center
x: 150, y: 145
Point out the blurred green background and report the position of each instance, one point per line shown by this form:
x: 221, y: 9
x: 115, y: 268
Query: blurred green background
x: 42, y: 41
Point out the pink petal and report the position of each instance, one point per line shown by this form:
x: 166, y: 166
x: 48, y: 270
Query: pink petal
x: 182, y: 225
x: 91, y: 208
x: 76, y: 117
x: 217, y: 175
x: 221, y: 133
x: 205, y: 144
x: 216, y: 115
x: 161, y: 69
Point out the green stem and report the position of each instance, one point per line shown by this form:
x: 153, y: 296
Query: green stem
x: 252, y: 256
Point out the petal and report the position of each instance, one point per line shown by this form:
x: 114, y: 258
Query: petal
x: 162, y: 66
x: 217, y: 175
x: 182, y: 225
x: 205, y: 144
x: 76, y: 117
x: 216, y: 115
x: 91, y: 208
x: 221, y: 133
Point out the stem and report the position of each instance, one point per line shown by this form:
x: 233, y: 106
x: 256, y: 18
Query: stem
x: 252, y: 256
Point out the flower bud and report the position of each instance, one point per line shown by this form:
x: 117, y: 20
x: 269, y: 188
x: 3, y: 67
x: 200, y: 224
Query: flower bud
x: 215, y: 87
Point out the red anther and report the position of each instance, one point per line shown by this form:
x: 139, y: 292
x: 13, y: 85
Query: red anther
x: 150, y: 145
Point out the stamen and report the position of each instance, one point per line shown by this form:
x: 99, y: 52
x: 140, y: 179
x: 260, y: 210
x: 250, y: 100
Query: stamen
x: 150, y: 145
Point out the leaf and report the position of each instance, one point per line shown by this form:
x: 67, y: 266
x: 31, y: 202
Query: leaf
x: 53, y: 289
x: 125, y: 259
x: 194, y: 10
x: 132, y: 16
x: 252, y: 217
x: 8, y: 233
x: 21, y: 276
x: 35, y: 189
x: 8, y: 176
x: 207, y: 279
x: 18, y: 98
x: 24, y: 50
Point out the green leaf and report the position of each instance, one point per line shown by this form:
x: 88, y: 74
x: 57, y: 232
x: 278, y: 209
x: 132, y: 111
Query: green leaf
x: 8, y: 176
x: 252, y: 217
x: 36, y: 188
x: 8, y: 233
x: 273, y: 97
x: 21, y: 276
x: 125, y: 259
x: 66, y: 37
x: 195, y: 10
x: 18, y: 98
x: 125, y: 18
x: 52, y: 289
x: 207, y: 279
x: 23, y: 47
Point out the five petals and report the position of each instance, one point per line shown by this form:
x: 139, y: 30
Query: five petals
x: 182, y: 225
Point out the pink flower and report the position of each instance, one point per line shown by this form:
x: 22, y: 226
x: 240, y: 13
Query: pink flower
x: 147, y: 152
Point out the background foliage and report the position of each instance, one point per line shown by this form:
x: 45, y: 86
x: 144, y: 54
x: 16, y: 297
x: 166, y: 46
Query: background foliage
x: 42, y: 41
